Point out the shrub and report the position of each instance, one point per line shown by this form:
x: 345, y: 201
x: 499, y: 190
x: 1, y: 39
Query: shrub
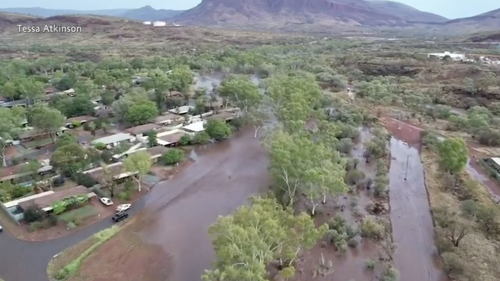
x: 390, y: 274
x: 470, y: 208
x: 354, y: 242
x: 372, y: 229
x: 201, y: 138
x: 52, y: 220
x: 218, y: 129
x: 370, y: 264
x: 124, y: 195
x: 345, y: 145
x: 33, y: 214
x: 185, y: 140
x: 85, y: 180
x: 100, y: 146
x: 71, y: 225
x: 352, y: 177
x: 36, y: 225
x: 172, y: 156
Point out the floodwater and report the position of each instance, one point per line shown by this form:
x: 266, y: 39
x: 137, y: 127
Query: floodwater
x: 222, y: 178
x: 416, y: 256
x: 208, y: 81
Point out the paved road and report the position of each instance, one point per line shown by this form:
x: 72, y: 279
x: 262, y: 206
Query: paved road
x: 27, y: 261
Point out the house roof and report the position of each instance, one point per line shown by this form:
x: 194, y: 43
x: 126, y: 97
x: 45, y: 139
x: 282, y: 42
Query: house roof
x: 157, y: 150
x: 173, y: 138
x: 181, y: 110
x: 223, y: 116
x: 113, y: 138
x: 167, y: 117
x: 97, y: 173
x: 142, y: 129
x: 195, y: 127
x: 31, y: 134
x: 48, y: 200
x: 13, y: 172
x: 81, y: 119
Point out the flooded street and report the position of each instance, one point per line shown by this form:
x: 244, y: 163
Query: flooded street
x: 181, y: 210
x: 416, y: 254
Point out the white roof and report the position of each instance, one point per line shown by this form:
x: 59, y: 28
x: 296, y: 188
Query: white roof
x: 496, y: 160
x: 181, y: 110
x: 114, y: 138
x: 195, y: 127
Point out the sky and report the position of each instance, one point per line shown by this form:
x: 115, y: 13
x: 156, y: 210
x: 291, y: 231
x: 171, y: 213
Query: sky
x: 446, y: 8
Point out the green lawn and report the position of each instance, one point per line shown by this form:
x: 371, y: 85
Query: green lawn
x: 35, y: 143
x: 79, y: 214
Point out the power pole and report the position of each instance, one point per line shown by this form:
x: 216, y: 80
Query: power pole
x: 407, y: 163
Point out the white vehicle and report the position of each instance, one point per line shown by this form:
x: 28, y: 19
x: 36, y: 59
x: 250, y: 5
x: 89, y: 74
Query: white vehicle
x: 1, y: 229
x: 123, y: 207
x: 106, y: 201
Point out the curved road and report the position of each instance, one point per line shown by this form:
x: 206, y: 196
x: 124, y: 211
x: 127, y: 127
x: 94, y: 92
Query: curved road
x: 24, y: 261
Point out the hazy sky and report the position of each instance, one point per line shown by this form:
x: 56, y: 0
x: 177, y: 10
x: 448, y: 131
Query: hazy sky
x: 447, y: 8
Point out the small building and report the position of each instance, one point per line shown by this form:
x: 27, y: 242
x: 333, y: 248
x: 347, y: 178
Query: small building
x: 16, y: 173
x: 181, y: 110
x: 159, y: 23
x: 36, y: 134
x: 452, y: 56
x: 168, y: 119
x: 70, y: 92
x: 195, y: 127
x: 116, y: 169
x: 147, y: 22
x: 171, y: 139
x: 80, y: 119
x: 114, y: 140
x: 142, y: 130
x: 45, y: 202
x: 224, y: 116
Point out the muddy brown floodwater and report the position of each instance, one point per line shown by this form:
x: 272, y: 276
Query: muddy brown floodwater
x: 416, y: 256
x: 183, y: 208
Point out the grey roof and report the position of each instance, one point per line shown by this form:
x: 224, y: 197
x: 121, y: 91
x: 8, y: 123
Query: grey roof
x: 113, y: 138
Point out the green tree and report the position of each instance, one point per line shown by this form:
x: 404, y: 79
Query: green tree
x: 47, y: 120
x: 254, y: 236
x: 217, y: 129
x: 453, y: 154
x: 74, y: 106
x: 69, y: 158
x: 255, y: 117
x: 152, y: 139
x: 140, y: 163
x: 141, y: 113
x: 10, y: 127
x: 65, y: 140
x: 299, y: 165
x: 241, y: 91
x: 30, y: 89
x: 201, y: 138
x: 173, y: 156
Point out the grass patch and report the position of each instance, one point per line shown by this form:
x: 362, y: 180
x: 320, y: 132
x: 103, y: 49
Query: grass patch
x: 35, y: 143
x: 68, y: 262
x: 79, y: 214
x: 475, y: 258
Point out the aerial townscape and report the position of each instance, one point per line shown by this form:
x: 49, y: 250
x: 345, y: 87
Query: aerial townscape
x: 263, y: 140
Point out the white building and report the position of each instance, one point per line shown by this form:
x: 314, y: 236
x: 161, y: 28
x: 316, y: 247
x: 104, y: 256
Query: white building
x: 455, y: 57
x: 159, y: 23
x: 146, y: 22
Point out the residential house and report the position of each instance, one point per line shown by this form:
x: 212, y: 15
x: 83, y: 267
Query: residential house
x: 114, y: 140
x: 79, y: 119
x: 70, y: 92
x: 182, y: 109
x: 168, y: 119
x: 37, y: 134
x: 115, y: 169
x: 455, y: 57
x: 172, y: 139
x: 195, y: 127
x: 142, y: 130
x: 225, y: 116
x: 45, y: 202
x: 16, y: 173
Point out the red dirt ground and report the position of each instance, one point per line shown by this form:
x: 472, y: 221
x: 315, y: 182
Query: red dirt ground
x: 137, y: 259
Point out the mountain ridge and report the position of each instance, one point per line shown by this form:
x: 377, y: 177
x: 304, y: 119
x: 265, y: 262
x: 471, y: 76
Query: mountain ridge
x: 143, y: 13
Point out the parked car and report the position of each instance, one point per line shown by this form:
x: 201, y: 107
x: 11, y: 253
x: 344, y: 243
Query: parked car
x: 1, y: 229
x: 123, y: 207
x: 106, y: 201
x: 119, y: 216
